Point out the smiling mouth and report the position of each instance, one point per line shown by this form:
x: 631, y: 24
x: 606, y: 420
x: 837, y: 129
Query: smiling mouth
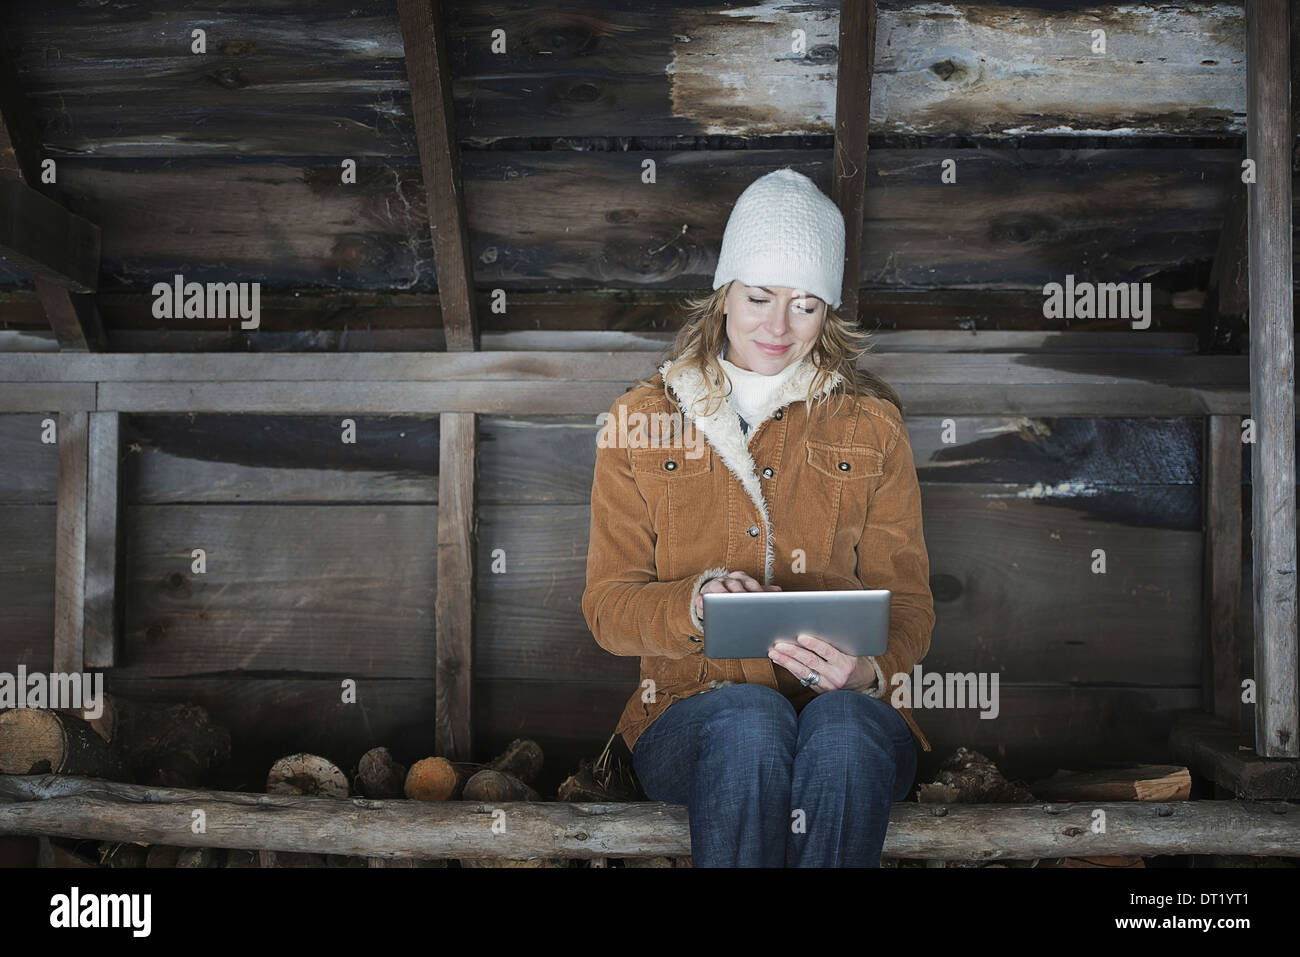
x: 768, y: 348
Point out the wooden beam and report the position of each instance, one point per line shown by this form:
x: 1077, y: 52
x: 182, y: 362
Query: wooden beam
x: 579, y: 383
x: 454, y: 603
x: 46, y: 241
x: 64, y: 275
x: 429, y: 76
x: 1221, y: 506
x: 1213, y: 749
x: 857, y: 56
x: 70, y: 542
x: 103, y: 543
x: 1272, y: 377
x: 51, y: 805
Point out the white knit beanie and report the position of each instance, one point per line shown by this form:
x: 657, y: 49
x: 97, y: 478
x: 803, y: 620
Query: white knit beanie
x: 783, y: 231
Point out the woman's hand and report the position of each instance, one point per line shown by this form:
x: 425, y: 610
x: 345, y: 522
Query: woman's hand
x: 732, y: 581
x: 837, y: 669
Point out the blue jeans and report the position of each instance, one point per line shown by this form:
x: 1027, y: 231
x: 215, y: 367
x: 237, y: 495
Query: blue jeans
x: 768, y: 787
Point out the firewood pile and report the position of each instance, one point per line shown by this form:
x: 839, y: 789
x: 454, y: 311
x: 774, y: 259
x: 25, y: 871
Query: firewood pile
x: 175, y: 745
x: 969, y: 777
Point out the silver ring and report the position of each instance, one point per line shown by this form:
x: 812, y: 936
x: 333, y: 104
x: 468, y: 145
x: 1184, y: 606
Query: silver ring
x: 812, y: 679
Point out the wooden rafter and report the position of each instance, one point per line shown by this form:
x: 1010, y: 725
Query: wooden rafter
x: 59, y: 250
x: 429, y: 77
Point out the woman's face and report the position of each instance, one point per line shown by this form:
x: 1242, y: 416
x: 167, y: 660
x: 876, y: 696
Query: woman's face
x: 771, y: 327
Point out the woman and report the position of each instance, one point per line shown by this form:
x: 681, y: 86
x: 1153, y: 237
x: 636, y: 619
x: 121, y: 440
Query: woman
x: 784, y: 467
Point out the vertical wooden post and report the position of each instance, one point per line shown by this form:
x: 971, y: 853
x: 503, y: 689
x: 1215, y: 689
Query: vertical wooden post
x: 70, y: 542
x: 431, y: 107
x: 103, y: 543
x: 1221, y: 506
x: 852, y: 117
x: 1272, y: 378
x: 454, y: 603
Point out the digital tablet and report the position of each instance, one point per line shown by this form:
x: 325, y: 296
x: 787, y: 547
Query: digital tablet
x: 747, y: 624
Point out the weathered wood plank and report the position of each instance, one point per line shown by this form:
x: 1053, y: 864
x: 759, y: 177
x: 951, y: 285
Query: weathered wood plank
x: 454, y: 604
x: 1272, y: 377
x: 567, y: 397
x: 30, y: 475
x: 1212, y: 748
x: 424, y: 40
x: 1014, y: 219
x: 340, y: 590
x: 998, y: 610
x: 103, y: 543
x: 1223, y: 561
x: 184, y: 459
x: 70, y: 542
x: 307, y: 320
x: 331, y: 80
x: 46, y: 396
x: 1060, y: 370
x: 27, y: 563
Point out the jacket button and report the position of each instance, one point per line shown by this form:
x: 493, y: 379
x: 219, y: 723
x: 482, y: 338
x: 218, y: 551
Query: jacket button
x: 777, y: 414
x: 753, y: 531
x: 670, y: 465
x: 768, y: 473
x: 844, y: 466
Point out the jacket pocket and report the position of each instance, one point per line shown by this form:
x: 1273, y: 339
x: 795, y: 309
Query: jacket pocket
x: 846, y: 463
x: 674, y: 486
x: 671, y: 463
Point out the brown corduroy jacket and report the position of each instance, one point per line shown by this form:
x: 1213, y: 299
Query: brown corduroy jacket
x: 809, y: 502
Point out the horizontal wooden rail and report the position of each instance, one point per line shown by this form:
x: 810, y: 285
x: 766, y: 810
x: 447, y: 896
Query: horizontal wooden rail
x: 55, y: 806
x: 578, y: 383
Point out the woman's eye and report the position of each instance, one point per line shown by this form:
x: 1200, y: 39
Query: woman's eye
x: 759, y: 301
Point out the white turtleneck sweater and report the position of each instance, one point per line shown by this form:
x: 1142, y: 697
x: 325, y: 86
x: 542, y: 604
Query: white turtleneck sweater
x: 750, y: 390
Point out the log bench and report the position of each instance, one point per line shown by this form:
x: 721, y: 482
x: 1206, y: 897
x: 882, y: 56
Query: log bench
x: 91, y: 808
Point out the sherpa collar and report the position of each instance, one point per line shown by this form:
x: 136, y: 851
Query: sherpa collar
x: 722, y: 428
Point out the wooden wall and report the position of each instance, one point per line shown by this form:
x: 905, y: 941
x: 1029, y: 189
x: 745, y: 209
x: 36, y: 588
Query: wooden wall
x: 322, y: 564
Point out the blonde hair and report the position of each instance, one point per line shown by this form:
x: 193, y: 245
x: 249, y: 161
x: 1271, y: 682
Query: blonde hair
x: 838, y: 347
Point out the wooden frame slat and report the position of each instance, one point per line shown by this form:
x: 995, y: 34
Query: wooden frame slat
x: 70, y: 542
x: 453, y: 605
x: 103, y: 543
x: 1221, y: 497
x: 1272, y: 376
